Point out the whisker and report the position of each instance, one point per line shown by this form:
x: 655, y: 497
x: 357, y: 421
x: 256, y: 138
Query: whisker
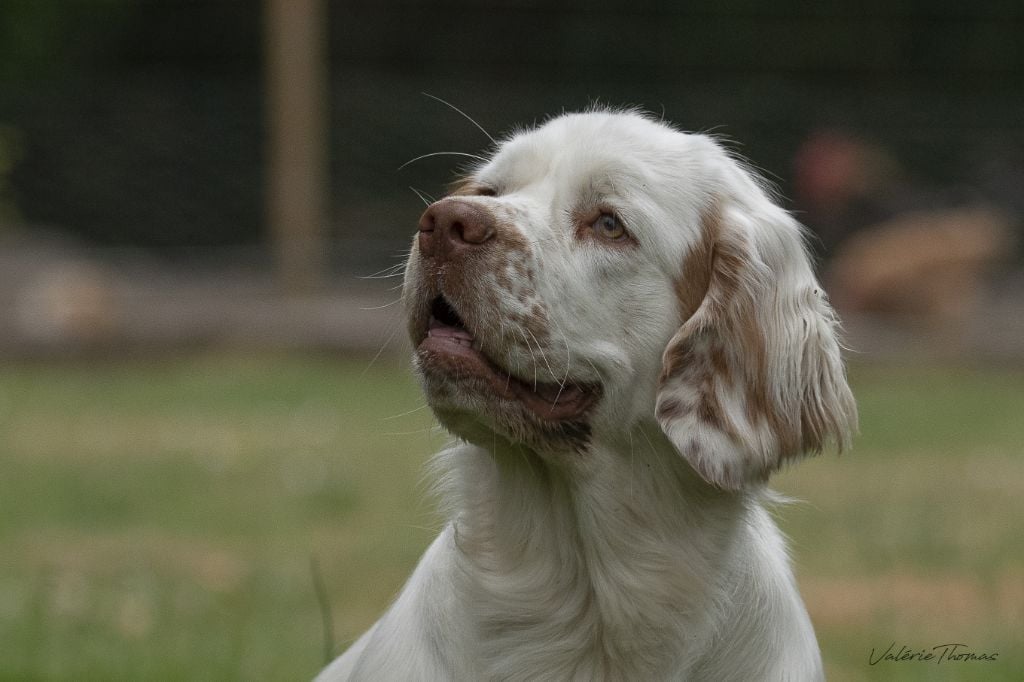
x: 568, y: 363
x: 568, y: 350
x: 424, y: 197
x: 476, y: 157
x: 561, y: 387
x: 386, y: 273
x: 415, y: 432
x: 381, y: 307
x: 554, y: 403
x: 501, y: 335
x: 533, y: 357
x: 406, y: 414
x: 397, y: 273
x: 394, y: 327
x: 543, y: 356
x: 463, y: 113
x: 648, y: 439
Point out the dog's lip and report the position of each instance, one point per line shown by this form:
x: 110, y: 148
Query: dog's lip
x: 454, y: 350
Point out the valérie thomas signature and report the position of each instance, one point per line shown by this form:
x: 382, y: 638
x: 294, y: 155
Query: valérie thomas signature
x: 939, y: 654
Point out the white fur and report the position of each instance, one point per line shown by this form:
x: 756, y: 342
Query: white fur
x: 624, y: 561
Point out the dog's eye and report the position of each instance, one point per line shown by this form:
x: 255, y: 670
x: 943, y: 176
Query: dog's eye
x: 608, y: 226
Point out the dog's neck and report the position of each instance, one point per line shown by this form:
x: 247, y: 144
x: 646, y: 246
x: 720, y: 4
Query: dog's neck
x: 637, y: 536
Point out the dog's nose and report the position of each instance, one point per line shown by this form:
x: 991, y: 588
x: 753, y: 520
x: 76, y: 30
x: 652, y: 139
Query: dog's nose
x: 450, y: 226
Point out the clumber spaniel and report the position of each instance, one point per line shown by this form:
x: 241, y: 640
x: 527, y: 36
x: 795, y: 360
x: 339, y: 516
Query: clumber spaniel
x: 625, y: 335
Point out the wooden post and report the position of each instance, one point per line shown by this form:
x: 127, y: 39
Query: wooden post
x: 297, y: 140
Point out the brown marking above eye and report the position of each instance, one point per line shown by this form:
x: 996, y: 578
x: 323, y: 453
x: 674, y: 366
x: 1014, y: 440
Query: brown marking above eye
x: 471, y: 187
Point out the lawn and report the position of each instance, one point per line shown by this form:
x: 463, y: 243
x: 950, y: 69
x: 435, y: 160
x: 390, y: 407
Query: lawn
x: 170, y: 519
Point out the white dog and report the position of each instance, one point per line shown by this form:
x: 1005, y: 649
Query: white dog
x: 626, y: 335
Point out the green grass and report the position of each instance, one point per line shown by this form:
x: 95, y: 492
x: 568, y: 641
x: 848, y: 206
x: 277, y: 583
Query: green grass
x: 158, y: 518
x: 915, y: 536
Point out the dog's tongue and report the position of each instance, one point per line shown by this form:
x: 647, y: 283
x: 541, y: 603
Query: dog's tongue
x: 441, y: 330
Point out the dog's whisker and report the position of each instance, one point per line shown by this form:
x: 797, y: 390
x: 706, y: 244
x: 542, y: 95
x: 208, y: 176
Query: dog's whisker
x: 389, y: 276
x: 414, y: 410
x: 533, y: 357
x: 568, y: 351
x: 463, y: 113
x: 647, y: 438
x: 414, y: 432
x: 543, y: 355
x: 393, y: 325
x: 597, y: 372
x: 475, y: 157
x: 388, y: 272
x: 382, y: 306
x: 424, y: 197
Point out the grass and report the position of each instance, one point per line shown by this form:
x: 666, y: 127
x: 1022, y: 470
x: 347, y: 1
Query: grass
x: 158, y: 518
x: 915, y: 537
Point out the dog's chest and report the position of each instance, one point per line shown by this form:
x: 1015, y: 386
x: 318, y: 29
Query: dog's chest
x: 598, y: 613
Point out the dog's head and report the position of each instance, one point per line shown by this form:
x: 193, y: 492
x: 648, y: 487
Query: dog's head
x: 604, y: 270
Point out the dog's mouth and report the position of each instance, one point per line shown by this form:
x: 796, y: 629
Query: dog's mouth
x: 449, y: 346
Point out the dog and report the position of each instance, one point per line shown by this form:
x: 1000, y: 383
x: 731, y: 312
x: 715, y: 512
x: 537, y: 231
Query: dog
x: 625, y: 335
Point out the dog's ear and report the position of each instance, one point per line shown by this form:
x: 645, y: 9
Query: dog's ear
x: 754, y: 376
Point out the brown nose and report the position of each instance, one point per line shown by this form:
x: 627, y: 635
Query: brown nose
x: 450, y: 227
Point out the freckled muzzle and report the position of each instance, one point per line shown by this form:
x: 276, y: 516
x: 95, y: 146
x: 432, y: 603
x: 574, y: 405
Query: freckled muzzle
x: 462, y: 318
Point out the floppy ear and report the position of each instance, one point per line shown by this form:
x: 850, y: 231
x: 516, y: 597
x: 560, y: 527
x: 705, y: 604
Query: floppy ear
x: 754, y: 376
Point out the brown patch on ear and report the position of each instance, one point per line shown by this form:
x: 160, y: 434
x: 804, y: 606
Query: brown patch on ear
x: 676, y: 359
x: 721, y: 349
x: 695, y: 279
x: 720, y: 363
x: 753, y: 377
x: 710, y: 375
x: 736, y: 318
x: 714, y: 271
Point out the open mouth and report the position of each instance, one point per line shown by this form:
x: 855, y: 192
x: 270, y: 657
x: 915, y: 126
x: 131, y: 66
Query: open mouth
x: 451, y: 347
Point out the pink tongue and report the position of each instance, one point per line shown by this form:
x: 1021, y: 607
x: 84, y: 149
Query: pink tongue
x: 439, y: 329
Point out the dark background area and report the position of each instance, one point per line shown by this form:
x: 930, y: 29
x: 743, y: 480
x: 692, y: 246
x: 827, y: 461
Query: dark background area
x: 140, y: 122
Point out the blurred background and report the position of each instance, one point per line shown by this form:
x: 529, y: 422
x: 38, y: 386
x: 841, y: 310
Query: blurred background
x: 211, y: 449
